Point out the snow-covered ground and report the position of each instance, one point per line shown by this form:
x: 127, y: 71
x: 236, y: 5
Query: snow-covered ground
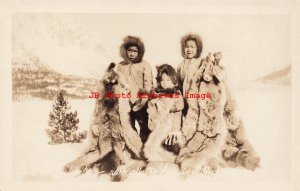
x: 265, y: 110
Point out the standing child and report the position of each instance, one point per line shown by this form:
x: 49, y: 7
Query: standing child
x: 138, y: 75
x: 164, y: 117
x: 191, y: 49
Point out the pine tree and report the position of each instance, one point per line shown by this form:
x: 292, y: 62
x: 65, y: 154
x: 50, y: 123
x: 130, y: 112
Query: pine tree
x: 63, y: 124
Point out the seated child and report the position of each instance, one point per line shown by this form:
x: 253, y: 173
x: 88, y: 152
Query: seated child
x: 164, y: 117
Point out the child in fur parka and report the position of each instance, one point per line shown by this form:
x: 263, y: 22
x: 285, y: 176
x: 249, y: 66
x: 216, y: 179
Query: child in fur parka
x: 191, y: 49
x: 138, y: 75
x: 164, y: 117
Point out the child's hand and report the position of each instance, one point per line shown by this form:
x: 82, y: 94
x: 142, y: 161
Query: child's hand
x: 174, y: 142
x: 174, y: 138
x: 139, y: 104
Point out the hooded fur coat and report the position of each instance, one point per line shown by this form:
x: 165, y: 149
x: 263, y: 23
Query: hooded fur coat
x: 137, y: 74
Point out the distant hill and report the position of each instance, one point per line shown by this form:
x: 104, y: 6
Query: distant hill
x: 281, y: 77
x: 59, y: 41
x: 31, y: 78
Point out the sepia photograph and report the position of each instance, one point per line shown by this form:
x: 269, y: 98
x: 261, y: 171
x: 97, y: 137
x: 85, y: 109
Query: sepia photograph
x: 99, y: 97
x: 71, y: 55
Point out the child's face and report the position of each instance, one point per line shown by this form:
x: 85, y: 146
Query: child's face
x: 190, y: 49
x: 166, y: 82
x: 132, y: 53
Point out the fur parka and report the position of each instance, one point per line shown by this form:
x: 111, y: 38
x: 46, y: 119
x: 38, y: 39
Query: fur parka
x: 160, y: 124
x: 112, y: 139
x: 212, y: 129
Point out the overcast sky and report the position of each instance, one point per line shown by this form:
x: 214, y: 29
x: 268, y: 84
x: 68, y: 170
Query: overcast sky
x: 252, y: 45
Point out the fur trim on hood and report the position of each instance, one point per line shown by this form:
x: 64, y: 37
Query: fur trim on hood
x: 197, y: 39
x: 132, y: 41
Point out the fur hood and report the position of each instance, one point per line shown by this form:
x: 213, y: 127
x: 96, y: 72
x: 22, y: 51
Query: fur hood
x: 197, y: 39
x: 132, y: 41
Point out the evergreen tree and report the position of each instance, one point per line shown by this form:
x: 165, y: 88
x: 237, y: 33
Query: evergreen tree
x: 63, y: 124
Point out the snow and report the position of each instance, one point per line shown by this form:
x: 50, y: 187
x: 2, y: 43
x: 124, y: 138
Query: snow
x: 265, y: 110
x: 76, y: 52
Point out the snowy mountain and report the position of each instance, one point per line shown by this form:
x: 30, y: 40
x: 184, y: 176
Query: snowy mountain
x: 59, y: 41
x: 31, y: 78
x: 281, y: 77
